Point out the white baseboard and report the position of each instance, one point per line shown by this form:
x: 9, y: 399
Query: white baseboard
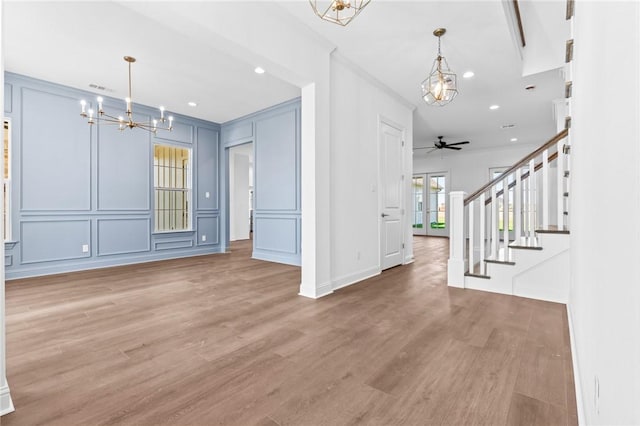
x: 576, y: 370
x: 6, y: 404
x: 315, y: 292
x: 347, y: 280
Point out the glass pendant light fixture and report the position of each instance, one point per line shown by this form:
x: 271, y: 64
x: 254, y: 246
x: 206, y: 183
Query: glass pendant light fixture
x: 441, y: 86
x: 125, y: 120
x: 339, y: 12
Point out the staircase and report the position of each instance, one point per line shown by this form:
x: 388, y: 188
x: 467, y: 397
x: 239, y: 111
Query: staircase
x: 516, y: 241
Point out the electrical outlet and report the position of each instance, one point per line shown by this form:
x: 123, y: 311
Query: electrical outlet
x: 204, y: 238
x: 207, y: 195
x: 85, y: 248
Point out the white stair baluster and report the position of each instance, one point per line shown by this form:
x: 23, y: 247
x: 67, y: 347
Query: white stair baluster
x: 532, y: 198
x: 560, y: 186
x: 494, y: 223
x: 545, y: 189
x: 505, y: 216
x: 482, y: 224
x: 517, y: 206
x: 471, y: 214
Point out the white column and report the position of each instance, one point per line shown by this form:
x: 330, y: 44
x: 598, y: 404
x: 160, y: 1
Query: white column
x: 6, y: 405
x: 455, y: 265
x: 316, y: 213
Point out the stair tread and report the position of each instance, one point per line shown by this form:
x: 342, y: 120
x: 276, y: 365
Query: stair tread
x: 469, y: 274
x: 527, y: 243
x: 553, y: 229
x: 503, y: 257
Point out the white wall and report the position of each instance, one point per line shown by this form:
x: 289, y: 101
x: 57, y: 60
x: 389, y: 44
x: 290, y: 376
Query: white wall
x: 604, y: 299
x: 357, y: 104
x: 469, y: 169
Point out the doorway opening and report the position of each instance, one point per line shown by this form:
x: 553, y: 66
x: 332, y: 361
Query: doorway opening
x: 241, y: 184
x: 437, y: 199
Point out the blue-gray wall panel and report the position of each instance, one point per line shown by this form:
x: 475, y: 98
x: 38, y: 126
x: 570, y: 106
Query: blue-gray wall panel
x: 276, y: 177
x: 209, y: 227
x: 207, y: 167
x: 181, y: 132
x: 51, y: 240
x: 123, y: 168
x: 55, y: 153
x: 278, y: 234
x: 8, y: 97
x: 171, y: 244
x: 238, y: 131
x: 123, y: 236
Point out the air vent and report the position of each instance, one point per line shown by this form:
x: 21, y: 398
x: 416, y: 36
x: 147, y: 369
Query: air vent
x: 507, y: 126
x: 99, y: 87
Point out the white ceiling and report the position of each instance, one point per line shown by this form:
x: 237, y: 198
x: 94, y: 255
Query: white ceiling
x: 79, y: 43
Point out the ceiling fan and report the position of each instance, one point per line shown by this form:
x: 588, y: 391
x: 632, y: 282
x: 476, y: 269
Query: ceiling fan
x: 439, y: 144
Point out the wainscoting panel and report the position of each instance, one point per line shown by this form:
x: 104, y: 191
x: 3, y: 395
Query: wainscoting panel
x: 278, y: 234
x: 123, y: 169
x: 208, y: 227
x: 55, y: 154
x: 276, y: 178
x: 207, y: 167
x: 8, y: 97
x: 123, y: 236
x: 181, y: 133
x: 52, y: 240
x: 237, y: 132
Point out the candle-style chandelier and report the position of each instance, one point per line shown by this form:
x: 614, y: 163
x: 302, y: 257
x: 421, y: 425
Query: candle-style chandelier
x: 339, y: 12
x: 126, y: 120
x: 440, y: 87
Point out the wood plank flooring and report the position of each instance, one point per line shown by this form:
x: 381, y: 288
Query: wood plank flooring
x: 225, y: 340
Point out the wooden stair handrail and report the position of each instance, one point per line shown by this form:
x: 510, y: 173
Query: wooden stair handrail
x: 524, y: 176
x: 563, y: 134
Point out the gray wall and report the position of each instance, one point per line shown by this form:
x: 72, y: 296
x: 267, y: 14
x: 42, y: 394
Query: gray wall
x: 275, y: 133
x: 75, y: 185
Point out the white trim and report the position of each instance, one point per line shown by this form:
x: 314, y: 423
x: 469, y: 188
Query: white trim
x: 576, y: 370
x: 316, y: 292
x: 409, y: 260
x: 6, y: 404
x: 350, y: 279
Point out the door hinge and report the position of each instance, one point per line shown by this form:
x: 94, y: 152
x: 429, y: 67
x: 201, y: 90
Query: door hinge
x: 401, y: 177
x: 402, y: 245
x: 402, y: 143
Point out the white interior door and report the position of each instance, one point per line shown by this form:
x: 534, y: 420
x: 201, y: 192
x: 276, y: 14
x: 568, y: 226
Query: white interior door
x: 391, y: 214
x: 437, y: 189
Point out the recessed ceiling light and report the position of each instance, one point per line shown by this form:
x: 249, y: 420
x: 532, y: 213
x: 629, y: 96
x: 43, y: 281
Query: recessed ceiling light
x: 494, y: 107
x: 514, y: 139
x: 259, y: 70
x: 192, y: 104
x: 468, y: 74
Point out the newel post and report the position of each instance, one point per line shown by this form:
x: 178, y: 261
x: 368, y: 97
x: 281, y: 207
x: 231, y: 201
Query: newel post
x: 455, y: 265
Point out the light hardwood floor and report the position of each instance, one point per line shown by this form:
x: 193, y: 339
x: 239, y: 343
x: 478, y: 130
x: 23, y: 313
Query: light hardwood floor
x: 224, y: 339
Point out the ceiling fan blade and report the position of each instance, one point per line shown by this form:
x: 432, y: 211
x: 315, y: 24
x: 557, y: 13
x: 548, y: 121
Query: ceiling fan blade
x: 458, y: 143
x: 452, y: 147
x: 422, y: 147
